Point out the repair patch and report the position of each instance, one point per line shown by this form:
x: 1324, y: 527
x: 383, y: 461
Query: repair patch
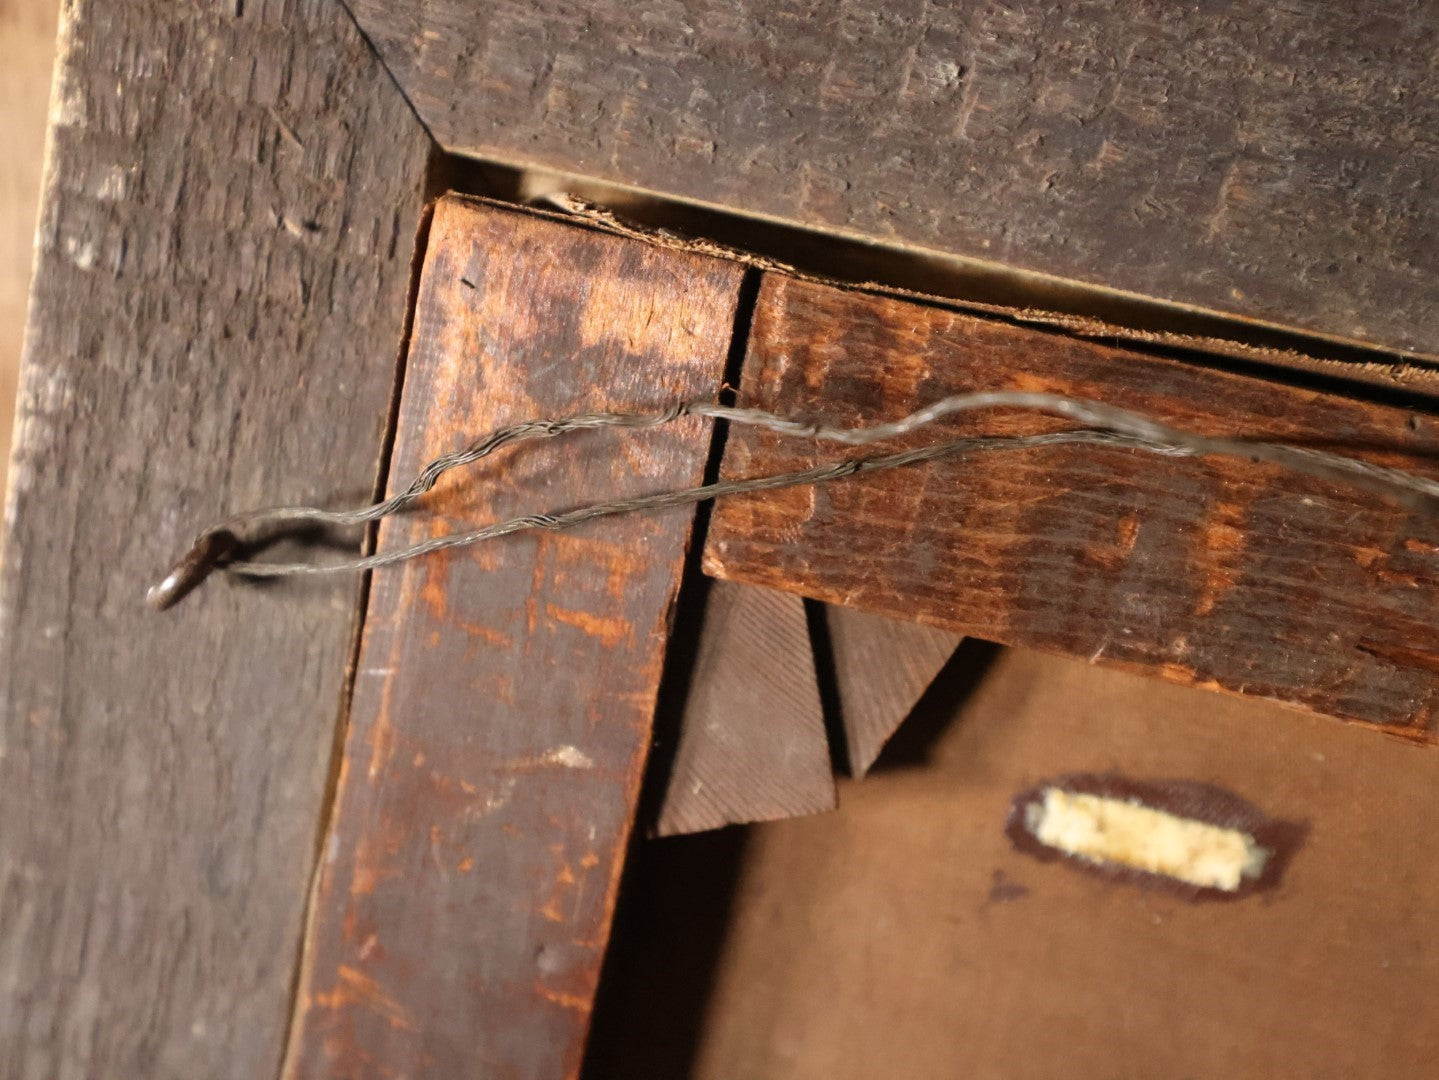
x: 1196, y: 839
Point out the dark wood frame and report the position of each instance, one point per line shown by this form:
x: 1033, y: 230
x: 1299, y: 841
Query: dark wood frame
x: 232, y: 200
x: 231, y: 203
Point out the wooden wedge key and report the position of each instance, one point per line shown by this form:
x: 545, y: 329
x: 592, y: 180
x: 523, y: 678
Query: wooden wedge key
x: 752, y: 744
x: 881, y: 666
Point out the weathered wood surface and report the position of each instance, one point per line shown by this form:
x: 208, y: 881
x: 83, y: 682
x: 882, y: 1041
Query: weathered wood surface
x: 1218, y: 573
x: 882, y: 666
x: 505, y: 693
x: 1274, y: 162
x: 229, y: 213
x: 752, y: 743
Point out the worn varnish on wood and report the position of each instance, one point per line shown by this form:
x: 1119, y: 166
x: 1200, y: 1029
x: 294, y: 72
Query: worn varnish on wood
x: 1270, y: 161
x: 230, y: 208
x: 1218, y: 573
x: 505, y: 693
x: 752, y: 744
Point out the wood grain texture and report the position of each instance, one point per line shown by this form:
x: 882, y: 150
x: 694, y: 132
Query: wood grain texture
x: 1219, y: 573
x: 881, y: 667
x: 752, y: 744
x: 904, y: 936
x: 505, y: 693
x: 1271, y: 161
x: 229, y: 214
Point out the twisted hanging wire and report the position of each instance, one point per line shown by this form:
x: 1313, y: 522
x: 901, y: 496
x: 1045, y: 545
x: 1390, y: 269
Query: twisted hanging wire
x: 1108, y: 426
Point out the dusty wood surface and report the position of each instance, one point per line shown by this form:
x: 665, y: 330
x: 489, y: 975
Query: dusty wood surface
x: 881, y: 667
x: 230, y: 208
x: 903, y: 936
x: 1272, y: 162
x: 505, y: 693
x: 1219, y: 573
x: 752, y: 744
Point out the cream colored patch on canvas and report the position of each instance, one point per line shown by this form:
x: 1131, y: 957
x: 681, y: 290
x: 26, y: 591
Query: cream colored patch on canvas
x: 1128, y: 833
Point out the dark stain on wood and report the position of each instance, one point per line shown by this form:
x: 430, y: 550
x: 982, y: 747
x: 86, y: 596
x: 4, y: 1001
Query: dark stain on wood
x: 505, y: 693
x: 1267, y: 161
x: 1218, y: 573
x: 752, y: 743
x: 188, y: 355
